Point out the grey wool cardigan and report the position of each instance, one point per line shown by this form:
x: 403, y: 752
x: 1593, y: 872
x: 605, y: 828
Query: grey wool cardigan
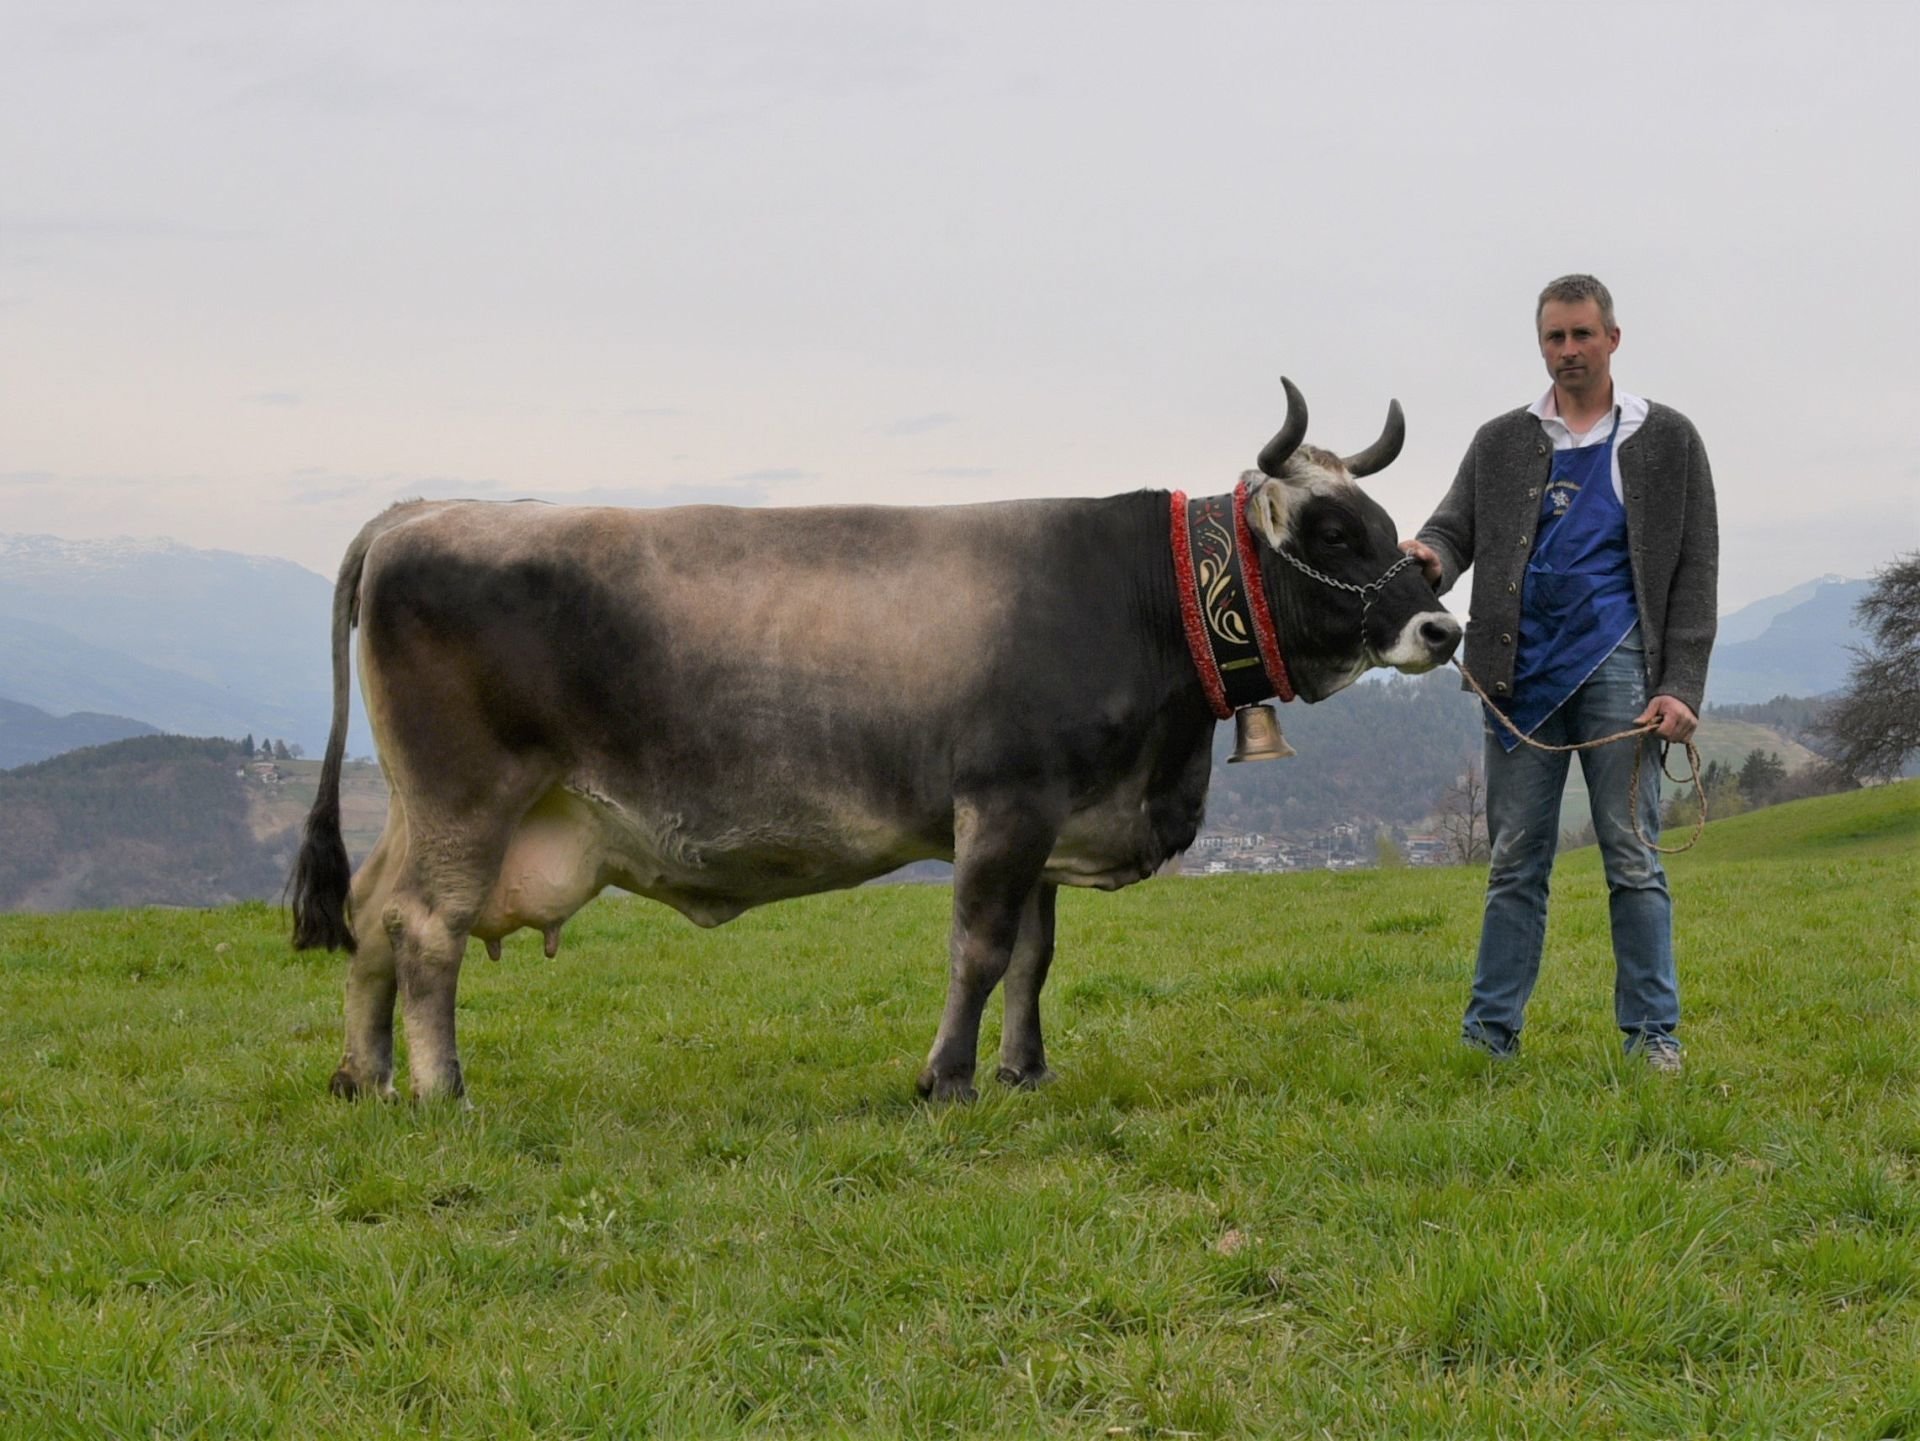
x: 1488, y: 519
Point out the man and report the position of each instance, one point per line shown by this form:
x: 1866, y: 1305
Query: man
x: 1590, y: 514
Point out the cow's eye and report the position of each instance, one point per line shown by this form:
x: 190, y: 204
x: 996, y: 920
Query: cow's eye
x: 1332, y: 535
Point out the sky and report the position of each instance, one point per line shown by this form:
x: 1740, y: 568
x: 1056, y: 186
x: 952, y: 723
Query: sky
x: 266, y: 268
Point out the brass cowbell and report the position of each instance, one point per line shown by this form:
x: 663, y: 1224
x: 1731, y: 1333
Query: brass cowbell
x: 1256, y: 735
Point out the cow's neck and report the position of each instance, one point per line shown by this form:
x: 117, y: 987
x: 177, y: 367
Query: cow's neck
x: 1223, y: 603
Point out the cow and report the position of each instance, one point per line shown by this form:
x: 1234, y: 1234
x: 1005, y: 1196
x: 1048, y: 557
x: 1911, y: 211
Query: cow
x: 718, y: 707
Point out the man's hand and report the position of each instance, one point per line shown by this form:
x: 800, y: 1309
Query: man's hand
x: 1675, y: 721
x: 1429, y: 561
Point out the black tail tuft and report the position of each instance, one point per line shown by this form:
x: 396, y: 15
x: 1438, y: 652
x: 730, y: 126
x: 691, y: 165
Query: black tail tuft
x: 320, y: 879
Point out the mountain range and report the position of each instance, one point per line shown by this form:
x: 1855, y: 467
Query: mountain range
x: 188, y: 641
x: 29, y: 734
x: 210, y: 642
x: 1797, y: 643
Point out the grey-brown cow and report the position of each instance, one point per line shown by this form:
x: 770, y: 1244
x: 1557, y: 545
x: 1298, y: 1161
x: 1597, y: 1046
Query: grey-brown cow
x: 718, y: 708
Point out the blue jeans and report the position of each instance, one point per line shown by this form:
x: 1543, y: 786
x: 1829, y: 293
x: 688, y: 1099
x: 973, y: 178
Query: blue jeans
x: 1524, y: 790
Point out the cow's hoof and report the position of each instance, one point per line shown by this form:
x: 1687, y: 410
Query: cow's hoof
x: 451, y: 1095
x: 349, y: 1087
x: 945, y: 1088
x: 1027, y: 1080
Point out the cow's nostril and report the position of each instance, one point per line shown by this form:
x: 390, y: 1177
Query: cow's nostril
x: 1438, y: 636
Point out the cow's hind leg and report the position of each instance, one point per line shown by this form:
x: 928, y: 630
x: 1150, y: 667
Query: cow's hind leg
x: 1023, y: 1055
x: 436, y: 898
x: 429, y: 938
x: 367, y: 1067
x: 996, y: 867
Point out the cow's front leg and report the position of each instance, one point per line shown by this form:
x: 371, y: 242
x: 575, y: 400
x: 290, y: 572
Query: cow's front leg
x: 1023, y: 1055
x: 996, y: 867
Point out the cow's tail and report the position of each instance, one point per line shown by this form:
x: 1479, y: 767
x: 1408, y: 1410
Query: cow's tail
x: 322, y: 873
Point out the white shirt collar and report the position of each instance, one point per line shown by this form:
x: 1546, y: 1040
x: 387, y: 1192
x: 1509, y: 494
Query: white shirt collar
x: 1633, y: 410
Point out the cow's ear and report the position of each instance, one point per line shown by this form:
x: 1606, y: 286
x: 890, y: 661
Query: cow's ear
x: 1268, y: 501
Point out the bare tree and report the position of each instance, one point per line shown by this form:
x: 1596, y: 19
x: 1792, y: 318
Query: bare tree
x: 1462, y: 817
x: 1876, y: 723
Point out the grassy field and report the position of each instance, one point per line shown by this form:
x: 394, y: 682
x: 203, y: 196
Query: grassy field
x: 1270, y: 1196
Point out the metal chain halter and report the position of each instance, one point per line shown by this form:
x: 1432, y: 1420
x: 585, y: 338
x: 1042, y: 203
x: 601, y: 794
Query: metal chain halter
x: 1367, y: 591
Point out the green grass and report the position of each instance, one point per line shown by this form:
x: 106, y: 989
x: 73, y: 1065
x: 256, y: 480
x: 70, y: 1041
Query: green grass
x: 1271, y: 1195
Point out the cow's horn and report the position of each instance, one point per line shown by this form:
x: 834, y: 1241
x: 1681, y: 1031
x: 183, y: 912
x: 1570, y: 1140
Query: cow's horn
x: 1381, y: 453
x: 1274, y: 458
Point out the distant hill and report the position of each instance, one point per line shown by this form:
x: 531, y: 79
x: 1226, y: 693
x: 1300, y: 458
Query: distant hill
x: 197, y: 642
x: 156, y: 820
x: 165, y: 821
x: 1383, y: 752
x: 1877, y: 821
x: 1750, y: 622
x: 1800, y: 650
x: 29, y: 734
x: 283, y: 804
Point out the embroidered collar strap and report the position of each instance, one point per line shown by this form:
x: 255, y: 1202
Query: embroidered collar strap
x: 1230, y: 633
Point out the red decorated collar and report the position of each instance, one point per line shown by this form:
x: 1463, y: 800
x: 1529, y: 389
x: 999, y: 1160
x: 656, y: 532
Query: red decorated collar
x: 1229, y: 626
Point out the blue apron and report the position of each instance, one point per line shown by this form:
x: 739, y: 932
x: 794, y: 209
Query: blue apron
x: 1578, y: 603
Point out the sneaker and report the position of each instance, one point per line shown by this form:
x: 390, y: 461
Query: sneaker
x: 1477, y: 1039
x: 1664, y: 1056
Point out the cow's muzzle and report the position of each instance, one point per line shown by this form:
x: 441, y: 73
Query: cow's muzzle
x: 1425, y: 641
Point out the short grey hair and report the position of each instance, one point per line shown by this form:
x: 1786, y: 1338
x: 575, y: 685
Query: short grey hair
x: 1571, y: 290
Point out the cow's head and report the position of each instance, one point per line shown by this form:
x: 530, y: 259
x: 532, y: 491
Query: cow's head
x: 1308, y: 515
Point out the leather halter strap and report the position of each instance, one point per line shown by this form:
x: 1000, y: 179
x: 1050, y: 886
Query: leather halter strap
x: 1223, y: 603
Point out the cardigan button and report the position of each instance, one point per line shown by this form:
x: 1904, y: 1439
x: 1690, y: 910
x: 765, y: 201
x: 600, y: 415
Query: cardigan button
x: 1534, y: 493
x: 1499, y: 687
x: 1506, y: 640
x: 1539, y: 450
x: 1512, y: 589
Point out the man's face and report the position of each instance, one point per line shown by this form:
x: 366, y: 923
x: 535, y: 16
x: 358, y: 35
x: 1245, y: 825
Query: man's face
x: 1577, y: 347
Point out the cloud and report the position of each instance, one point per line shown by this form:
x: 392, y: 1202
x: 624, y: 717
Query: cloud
x: 642, y: 498
x: 325, y: 488
x: 918, y: 424
x: 650, y: 411
x: 23, y: 479
x: 340, y: 85
x: 20, y: 229
x: 273, y: 397
x: 447, y: 487
x: 772, y: 477
x: 326, y: 494
x: 959, y: 472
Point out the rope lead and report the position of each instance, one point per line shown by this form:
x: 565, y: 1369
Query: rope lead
x: 1633, y: 784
